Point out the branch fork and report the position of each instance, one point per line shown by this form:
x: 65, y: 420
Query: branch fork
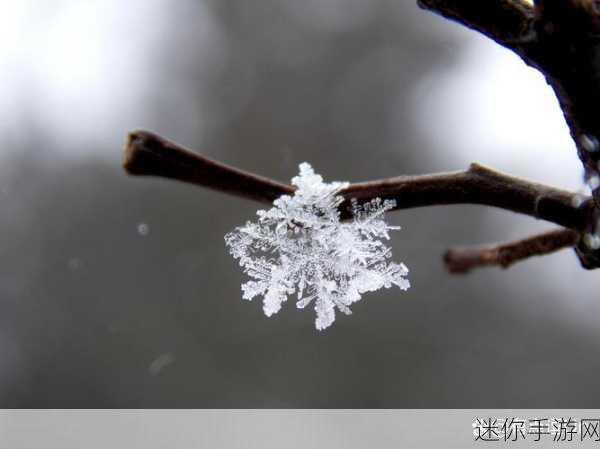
x: 561, y: 39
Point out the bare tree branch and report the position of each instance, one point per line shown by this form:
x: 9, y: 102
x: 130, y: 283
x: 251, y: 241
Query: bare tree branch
x: 463, y: 260
x: 507, y: 22
x: 149, y: 154
x: 561, y: 38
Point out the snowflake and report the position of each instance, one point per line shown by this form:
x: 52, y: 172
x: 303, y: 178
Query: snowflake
x: 300, y: 246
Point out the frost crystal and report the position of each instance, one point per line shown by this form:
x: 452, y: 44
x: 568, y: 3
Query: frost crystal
x: 300, y: 246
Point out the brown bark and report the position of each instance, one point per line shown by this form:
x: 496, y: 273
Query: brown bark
x: 560, y: 38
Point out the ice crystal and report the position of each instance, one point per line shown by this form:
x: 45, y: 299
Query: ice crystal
x: 300, y: 246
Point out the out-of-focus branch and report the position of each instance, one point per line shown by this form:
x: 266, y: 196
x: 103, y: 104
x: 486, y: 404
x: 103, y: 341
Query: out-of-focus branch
x: 149, y: 154
x: 507, y: 22
x: 463, y: 260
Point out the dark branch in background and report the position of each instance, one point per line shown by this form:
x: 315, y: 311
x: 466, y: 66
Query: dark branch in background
x: 149, y: 154
x: 560, y: 38
x: 507, y: 22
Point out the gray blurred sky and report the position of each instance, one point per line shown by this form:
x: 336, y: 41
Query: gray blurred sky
x: 99, y: 58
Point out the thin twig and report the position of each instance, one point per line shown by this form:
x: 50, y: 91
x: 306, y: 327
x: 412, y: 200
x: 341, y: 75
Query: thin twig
x: 463, y: 260
x: 149, y: 154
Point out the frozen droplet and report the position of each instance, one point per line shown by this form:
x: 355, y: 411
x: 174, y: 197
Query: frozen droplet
x: 589, y: 143
x: 592, y: 241
x: 593, y: 182
x: 143, y: 229
x: 160, y: 363
x: 74, y: 263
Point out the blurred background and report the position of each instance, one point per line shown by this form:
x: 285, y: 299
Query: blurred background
x: 119, y: 292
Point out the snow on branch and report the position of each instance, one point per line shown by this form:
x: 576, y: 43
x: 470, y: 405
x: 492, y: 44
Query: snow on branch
x: 300, y: 246
x: 325, y: 242
x: 149, y: 154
